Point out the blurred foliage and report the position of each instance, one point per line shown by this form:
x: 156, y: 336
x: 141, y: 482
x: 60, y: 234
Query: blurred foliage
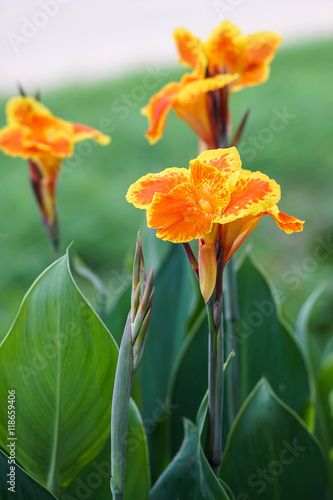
x: 91, y: 193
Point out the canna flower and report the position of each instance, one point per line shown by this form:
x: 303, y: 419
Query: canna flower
x: 215, y: 201
x: 228, y: 59
x: 34, y: 134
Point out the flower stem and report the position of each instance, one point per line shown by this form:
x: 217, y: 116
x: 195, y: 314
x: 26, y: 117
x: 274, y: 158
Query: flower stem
x: 232, y: 324
x: 215, y: 370
x: 215, y: 391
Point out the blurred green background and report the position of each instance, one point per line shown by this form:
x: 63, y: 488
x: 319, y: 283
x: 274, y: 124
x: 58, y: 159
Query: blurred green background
x: 295, y: 150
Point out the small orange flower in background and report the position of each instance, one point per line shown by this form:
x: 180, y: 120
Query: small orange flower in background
x: 215, y: 198
x: 226, y: 59
x: 33, y: 133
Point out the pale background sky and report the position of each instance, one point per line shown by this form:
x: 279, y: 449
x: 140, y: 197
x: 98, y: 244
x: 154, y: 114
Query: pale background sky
x: 48, y: 42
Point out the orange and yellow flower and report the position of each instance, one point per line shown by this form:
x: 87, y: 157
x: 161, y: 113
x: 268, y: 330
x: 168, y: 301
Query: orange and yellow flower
x: 214, y: 198
x: 227, y: 58
x: 35, y: 134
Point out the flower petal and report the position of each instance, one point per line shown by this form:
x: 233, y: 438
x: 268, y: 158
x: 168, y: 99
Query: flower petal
x: 226, y: 161
x: 177, y: 217
x: 198, y: 87
x: 207, y: 269
x: 141, y: 193
x: 82, y: 132
x: 233, y: 234
x: 190, y: 51
x: 261, y: 47
x: 211, y: 188
x: 254, y: 193
x: 192, y: 104
x: 287, y: 223
x: 226, y: 49
x: 28, y: 112
x: 11, y: 142
x: 253, y: 74
x: 157, y: 110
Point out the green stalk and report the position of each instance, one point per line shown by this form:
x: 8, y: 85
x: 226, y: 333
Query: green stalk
x: 232, y: 325
x: 119, y: 412
x: 130, y: 354
x: 215, y: 370
x: 215, y: 391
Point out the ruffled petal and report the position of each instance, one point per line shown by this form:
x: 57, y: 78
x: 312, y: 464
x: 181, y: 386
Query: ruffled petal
x: 27, y: 112
x: 233, y: 234
x: 225, y: 160
x: 287, y: 223
x: 261, y: 47
x: 177, y: 217
x: 211, y: 189
x: 252, y: 75
x: 198, y: 87
x: 157, y: 110
x: 12, y: 142
x: 190, y: 51
x: 254, y: 193
x: 193, y: 106
x: 33, y: 131
x: 141, y: 193
x: 83, y: 132
x: 226, y: 49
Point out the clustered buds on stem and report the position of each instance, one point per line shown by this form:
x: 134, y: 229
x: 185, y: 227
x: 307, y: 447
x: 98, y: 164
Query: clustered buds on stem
x: 141, y: 304
x: 130, y: 355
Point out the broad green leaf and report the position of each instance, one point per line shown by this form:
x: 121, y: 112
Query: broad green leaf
x: 61, y: 360
x: 207, y: 477
x: 189, y: 378
x: 173, y: 303
x: 93, y: 481
x: 25, y: 487
x: 84, y: 271
x: 173, y: 300
x: 318, y: 349
x: 188, y: 476
x: 315, y: 347
x: 270, y: 454
x: 324, y: 421
x: 265, y: 345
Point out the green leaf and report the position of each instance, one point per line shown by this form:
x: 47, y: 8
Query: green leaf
x: 189, y: 476
x: 173, y: 302
x: 172, y: 305
x: 189, y: 379
x: 25, y: 487
x: 265, y: 345
x: 83, y: 270
x: 313, y: 347
x: 209, y: 483
x: 137, y: 478
x: 93, y: 481
x: 61, y: 360
x: 324, y: 421
x: 270, y: 453
x: 318, y: 349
